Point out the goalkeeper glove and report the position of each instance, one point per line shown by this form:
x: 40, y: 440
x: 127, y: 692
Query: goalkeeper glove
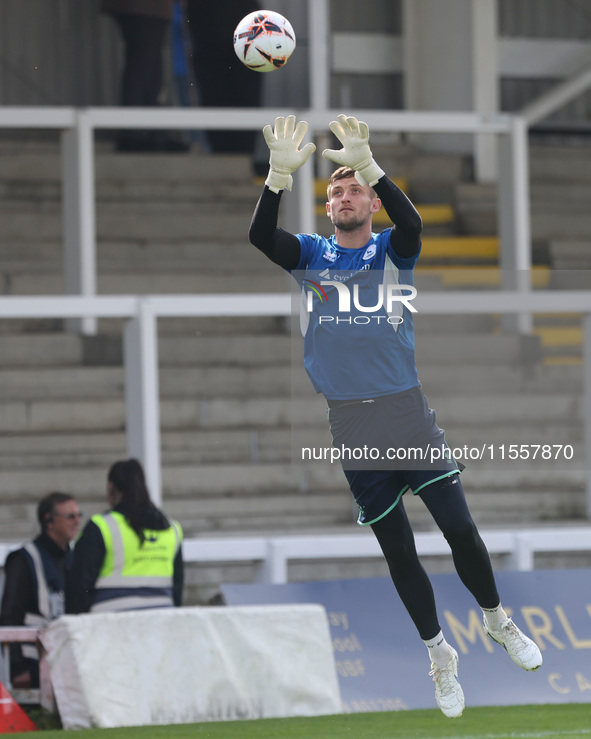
x: 285, y: 157
x: 354, y: 136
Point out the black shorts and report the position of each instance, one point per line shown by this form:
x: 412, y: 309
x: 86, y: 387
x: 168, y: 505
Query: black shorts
x: 388, y: 445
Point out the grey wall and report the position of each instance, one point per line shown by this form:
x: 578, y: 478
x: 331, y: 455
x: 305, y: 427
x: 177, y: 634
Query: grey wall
x: 64, y: 52
x: 57, y: 52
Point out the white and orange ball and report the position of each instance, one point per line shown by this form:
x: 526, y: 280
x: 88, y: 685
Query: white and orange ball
x: 264, y: 40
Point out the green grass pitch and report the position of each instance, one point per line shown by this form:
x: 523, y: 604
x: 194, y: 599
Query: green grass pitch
x: 565, y: 721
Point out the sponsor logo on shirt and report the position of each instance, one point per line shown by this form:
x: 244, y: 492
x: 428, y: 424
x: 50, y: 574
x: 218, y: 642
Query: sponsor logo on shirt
x: 370, y: 252
x: 389, y: 298
x: 330, y: 255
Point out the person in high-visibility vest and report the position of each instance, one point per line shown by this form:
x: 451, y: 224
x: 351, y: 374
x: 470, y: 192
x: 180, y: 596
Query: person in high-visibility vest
x: 35, y: 577
x: 130, y: 557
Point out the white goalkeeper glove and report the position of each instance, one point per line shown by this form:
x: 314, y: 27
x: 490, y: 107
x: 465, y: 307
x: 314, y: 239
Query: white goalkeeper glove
x: 354, y: 136
x: 286, y: 157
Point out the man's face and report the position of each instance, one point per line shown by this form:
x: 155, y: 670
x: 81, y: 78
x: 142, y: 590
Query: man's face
x: 351, y: 205
x: 64, y: 523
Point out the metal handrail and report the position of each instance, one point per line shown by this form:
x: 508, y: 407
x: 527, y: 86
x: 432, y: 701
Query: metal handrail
x: 141, y: 341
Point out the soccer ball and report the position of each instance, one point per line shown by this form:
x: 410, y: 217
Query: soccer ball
x: 264, y: 40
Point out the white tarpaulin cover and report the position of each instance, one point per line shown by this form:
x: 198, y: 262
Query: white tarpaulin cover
x: 183, y: 665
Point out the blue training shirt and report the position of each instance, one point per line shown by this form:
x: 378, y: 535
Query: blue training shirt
x: 355, y: 317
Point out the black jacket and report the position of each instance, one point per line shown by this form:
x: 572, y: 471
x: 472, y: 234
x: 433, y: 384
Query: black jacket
x: 89, y: 555
x: 20, y: 588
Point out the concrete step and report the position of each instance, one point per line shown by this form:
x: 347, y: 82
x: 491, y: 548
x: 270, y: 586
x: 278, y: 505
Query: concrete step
x: 212, y: 515
x: 41, y: 349
x: 478, y: 434
x: 64, y: 349
x: 256, y: 480
x: 238, y: 498
x: 230, y: 521
x: 476, y: 208
x: 531, y: 478
x: 570, y: 255
x: 458, y: 251
x: 111, y: 330
x: 209, y: 446
x: 108, y: 382
x: 466, y: 324
x: 512, y: 506
x: 86, y: 382
x: 264, y: 514
x: 559, y: 164
x: 215, y: 438
x: 146, y: 257
x: 571, y: 279
x: 215, y: 350
x: 549, y: 224
x: 475, y: 277
x: 263, y: 349
x: 501, y: 379
x: 189, y: 328
x: 432, y: 349
x: 143, y: 257
x: 481, y: 199
x: 30, y: 326
x: 227, y: 459
x: 432, y: 177
x: 45, y: 383
x: 161, y: 190
x: 518, y: 411
x: 150, y: 283
x: 44, y: 165
x: 558, y: 211
x: 47, y: 252
x: 455, y: 350
x: 515, y: 411
x: 179, y: 482
x: 38, y: 416
x: 115, y: 221
x: 569, y: 196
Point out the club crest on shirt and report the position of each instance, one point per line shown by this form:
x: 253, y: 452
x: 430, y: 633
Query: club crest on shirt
x: 330, y: 255
x: 370, y: 252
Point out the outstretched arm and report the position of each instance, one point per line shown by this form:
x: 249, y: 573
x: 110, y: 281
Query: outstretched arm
x: 283, y: 141
x: 356, y: 153
x: 279, y: 245
x: 406, y: 234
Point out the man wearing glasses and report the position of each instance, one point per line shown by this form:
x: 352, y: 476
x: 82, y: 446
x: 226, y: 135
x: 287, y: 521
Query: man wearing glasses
x: 35, y: 580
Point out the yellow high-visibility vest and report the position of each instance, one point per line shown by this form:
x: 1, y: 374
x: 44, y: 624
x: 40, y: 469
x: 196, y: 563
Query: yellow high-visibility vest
x: 134, y: 575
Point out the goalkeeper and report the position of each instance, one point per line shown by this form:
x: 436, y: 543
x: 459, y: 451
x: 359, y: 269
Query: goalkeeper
x: 363, y: 363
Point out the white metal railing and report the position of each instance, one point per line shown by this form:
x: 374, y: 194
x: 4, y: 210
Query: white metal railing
x: 78, y: 127
x: 43, y: 695
x: 272, y: 554
x: 80, y: 241
x: 141, y: 341
x: 78, y: 197
x: 555, y: 98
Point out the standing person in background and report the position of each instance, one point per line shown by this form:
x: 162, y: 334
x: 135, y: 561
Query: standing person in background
x: 36, y: 580
x: 222, y: 81
x: 130, y: 557
x: 144, y: 25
